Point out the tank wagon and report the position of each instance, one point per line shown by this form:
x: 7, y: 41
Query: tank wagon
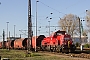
x: 36, y: 42
x: 20, y: 43
x: 0, y: 44
x: 10, y: 44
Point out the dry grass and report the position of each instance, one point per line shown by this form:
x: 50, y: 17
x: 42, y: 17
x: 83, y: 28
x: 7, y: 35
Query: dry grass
x: 22, y: 55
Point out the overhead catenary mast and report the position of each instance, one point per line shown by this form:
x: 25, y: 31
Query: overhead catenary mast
x: 3, y: 38
x: 29, y: 45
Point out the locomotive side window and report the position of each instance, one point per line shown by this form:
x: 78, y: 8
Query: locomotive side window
x: 66, y: 38
x: 45, y: 43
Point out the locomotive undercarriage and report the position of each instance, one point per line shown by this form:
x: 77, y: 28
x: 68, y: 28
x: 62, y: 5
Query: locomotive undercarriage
x: 66, y: 49
x: 58, y: 48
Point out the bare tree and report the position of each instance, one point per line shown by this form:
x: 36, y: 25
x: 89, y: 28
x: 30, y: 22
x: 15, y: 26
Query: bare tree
x: 70, y: 24
x: 84, y: 33
x: 88, y: 20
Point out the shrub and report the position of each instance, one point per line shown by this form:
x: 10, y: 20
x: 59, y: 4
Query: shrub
x: 77, y: 44
x: 86, y: 45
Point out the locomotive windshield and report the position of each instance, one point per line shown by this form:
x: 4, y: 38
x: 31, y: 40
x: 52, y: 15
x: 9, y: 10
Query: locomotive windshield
x: 60, y: 32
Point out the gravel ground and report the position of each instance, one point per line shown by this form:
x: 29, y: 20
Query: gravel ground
x: 69, y: 56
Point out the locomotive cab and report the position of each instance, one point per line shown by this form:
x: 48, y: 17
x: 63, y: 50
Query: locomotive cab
x: 65, y: 42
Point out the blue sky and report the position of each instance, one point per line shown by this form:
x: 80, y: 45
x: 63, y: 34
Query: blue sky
x: 16, y: 13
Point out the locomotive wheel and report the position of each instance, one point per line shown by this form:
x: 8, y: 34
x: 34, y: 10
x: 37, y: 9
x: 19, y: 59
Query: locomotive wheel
x: 65, y: 51
x: 48, y: 48
x: 58, y: 49
x: 51, y: 49
x: 72, y: 50
x: 42, y: 48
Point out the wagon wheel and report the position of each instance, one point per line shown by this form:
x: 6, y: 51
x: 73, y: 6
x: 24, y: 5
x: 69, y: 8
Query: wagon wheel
x: 62, y: 50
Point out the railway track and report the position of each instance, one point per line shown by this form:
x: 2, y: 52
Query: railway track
x: 77, y: 54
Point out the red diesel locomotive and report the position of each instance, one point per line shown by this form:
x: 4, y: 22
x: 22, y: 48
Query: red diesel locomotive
x: 59, y: 41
